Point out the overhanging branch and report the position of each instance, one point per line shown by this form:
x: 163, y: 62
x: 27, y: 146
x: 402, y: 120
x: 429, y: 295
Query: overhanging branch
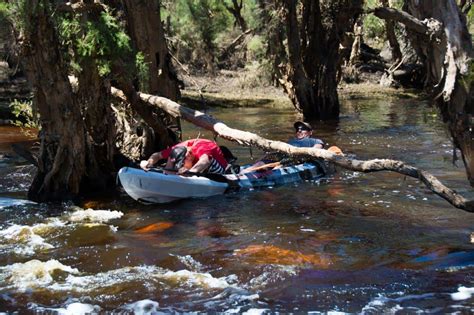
x: 430, y: 27
x: 250, y: 139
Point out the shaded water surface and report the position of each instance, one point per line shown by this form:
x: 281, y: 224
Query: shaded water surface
x: 355, y: 243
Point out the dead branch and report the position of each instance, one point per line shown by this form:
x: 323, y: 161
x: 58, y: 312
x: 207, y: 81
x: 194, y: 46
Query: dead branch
x: 430, y: 27
x: 230, y: 49
x: 250, y: 139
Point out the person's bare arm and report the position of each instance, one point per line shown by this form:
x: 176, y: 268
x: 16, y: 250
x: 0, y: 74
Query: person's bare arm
x: 318, y: 146
x: 152, y: 160
x: 202, y: 164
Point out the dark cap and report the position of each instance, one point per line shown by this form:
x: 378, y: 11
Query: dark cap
x: 178, y: 155
x: 303, y: 125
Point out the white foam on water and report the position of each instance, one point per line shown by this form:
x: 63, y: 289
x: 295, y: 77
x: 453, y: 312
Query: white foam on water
x: 272, y: 274
x: 75, y: 308
x: 256, y: 311
x: 147, y: 274
x: 90, y: 215
x: 189, y: 262
x: 10, y: 202
x: 143, y: 307
x: 463, y: 293
x: 27, y: 240
x: 191, y: 278
x: 32, y: 274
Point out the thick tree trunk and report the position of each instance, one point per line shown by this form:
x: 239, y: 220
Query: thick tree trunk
x: 94, y: 98
x: 61, y: 164
x: 147, y: 33
x: 439, y: 34
x: 247, y: 138
x: 313, y: 47
x: 99, y: 121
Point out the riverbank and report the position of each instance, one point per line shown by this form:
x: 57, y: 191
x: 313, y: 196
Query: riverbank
x: 246, y: 89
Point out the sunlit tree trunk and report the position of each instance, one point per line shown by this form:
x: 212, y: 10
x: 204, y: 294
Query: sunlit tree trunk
x: 439, y: 34
x: 449, y: 62
x: 314, y: 30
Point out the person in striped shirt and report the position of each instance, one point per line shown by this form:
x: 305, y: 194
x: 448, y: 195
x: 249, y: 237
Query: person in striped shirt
x: 194, y: 155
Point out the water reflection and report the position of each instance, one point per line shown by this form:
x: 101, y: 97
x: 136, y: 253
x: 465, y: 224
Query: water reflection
x: 373, y: 243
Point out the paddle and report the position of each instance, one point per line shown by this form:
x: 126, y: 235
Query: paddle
x: 261, y: 167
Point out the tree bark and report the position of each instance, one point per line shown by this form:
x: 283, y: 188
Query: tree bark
x: 249, y: 139
x: 61, y: 164
x: 94, y: 98
x: 439, y: 34
x: 147, y: 33
x: 313, y: 48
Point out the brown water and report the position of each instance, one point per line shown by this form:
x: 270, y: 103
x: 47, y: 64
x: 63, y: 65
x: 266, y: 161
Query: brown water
x: 354, y: 243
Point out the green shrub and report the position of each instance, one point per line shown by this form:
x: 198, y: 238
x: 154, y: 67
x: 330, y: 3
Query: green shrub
x: 25, y: 115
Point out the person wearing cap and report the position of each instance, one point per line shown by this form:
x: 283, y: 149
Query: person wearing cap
x: 194, y: 155
x: 303, y: 138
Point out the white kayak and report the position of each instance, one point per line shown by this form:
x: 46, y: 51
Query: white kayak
x: 157, y: 187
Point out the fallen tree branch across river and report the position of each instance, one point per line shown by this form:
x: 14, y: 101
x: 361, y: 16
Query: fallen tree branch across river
x: 202, y: 120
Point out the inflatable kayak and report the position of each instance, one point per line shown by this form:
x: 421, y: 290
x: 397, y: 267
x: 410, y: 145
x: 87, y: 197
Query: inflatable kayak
x: 157, y: 187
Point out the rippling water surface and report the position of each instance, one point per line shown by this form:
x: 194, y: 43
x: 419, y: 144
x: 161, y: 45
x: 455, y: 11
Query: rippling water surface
x: 354, y: 243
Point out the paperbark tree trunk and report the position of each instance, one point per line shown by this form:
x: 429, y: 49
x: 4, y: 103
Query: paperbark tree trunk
x: 314, y: 32
x: 147, y: 33
x: 439, y: 34
x: 61, y: 163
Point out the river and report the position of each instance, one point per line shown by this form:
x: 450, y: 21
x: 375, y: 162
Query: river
x: 349, y: 243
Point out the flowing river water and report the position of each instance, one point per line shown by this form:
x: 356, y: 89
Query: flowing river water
x: 350, y: 243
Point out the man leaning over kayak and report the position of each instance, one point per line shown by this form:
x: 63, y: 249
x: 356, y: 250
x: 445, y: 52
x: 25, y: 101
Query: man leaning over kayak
x: 194, y: 155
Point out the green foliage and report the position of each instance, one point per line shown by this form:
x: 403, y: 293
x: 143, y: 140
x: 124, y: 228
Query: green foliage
x: 143, y: 68
x: 17, y: 13
x: 374, y: 28
x: 256, y: 48
x: 24, y: 113
x: 198, y: 27
x: 103, y: 40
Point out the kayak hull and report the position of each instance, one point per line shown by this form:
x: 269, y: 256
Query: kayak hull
x: 158, y: 187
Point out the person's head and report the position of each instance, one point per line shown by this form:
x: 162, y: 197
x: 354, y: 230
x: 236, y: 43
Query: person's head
x: 303, y: 129
x: 182, y: 156
x: 178, y: 156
